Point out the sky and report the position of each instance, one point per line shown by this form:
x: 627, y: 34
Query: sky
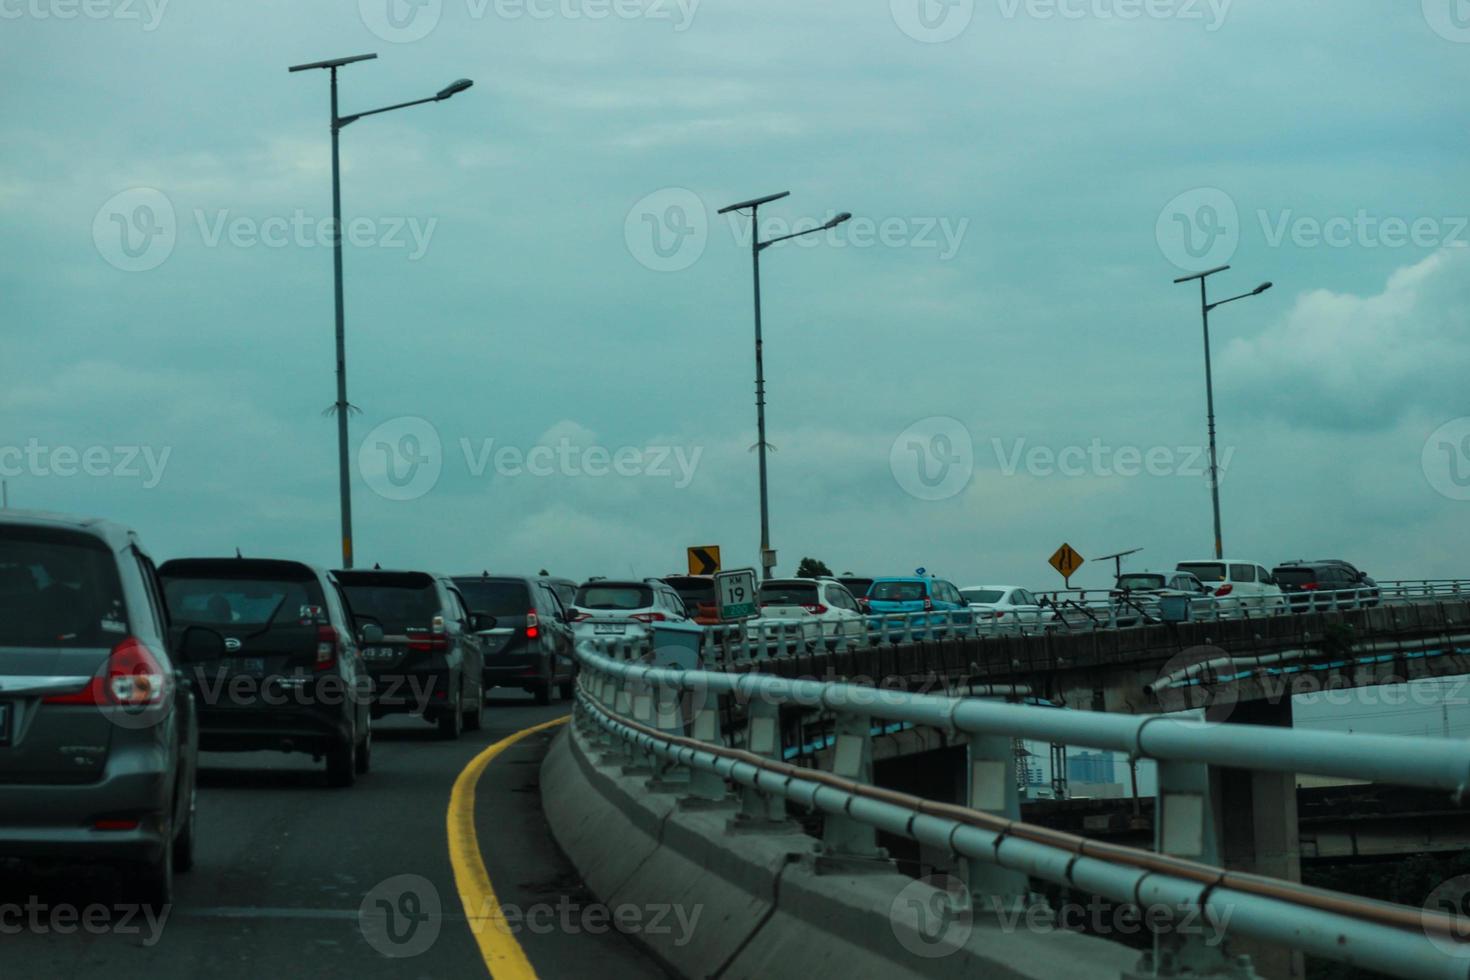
x: 549, y: 326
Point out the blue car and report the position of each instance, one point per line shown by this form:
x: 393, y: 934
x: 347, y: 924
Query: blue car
x: 914, y: 596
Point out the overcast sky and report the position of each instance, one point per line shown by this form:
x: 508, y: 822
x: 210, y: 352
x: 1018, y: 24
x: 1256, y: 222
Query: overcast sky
x: 988, y: 360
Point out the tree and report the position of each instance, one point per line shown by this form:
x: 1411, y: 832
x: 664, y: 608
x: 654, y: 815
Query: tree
x: 812, y: 568
x: 544, y: 572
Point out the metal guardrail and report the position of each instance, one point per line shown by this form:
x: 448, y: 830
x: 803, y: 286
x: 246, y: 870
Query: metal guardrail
x: 1077, y: 611
x: 669, y: 721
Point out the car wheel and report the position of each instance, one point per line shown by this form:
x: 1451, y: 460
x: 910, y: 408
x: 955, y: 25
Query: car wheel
x: 184, y: 842
x: 568, y: 688
x: 342, y: 764
x: 474, y: 718
x: 542, y: 692
x: 365, y: 753
x: 155, y: 883
x: 451, y: 719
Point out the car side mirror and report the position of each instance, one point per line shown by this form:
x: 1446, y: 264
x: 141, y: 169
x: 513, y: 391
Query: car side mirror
x: 200, y: 644
x: 482, y: 622
x: 370, y: 633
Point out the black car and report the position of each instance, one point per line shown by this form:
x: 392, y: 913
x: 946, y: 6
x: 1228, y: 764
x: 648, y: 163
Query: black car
x: 291, y: 677
x: 1327, y: 583
x: 858, y: 585
x: 565, y: 589
x: 422, y: 646
x: 530, y: 646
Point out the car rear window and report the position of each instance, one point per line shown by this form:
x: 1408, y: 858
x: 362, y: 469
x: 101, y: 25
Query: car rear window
x: 897, y: 591
x: 239, y: 602
x: 1140, y: 581
x: 694, y: 591
x: 398, y: 601
x: 1205, y: 571
x: 58, y: 589
x: 498, y: 597
x: 602, y: 596
x: 982, y: 595
x: 857, y: 586
x: 1295, y: 576
x: 788, y: 594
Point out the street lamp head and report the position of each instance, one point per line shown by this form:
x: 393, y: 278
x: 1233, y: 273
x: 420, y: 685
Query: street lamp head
x: 839, y: 219
x: 452, y: 88
x: 1262, y: 288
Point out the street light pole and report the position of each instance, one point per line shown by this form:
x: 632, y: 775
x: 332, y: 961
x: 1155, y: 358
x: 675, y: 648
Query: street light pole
x: 756, y: 247
x: 1205, y: 307
x: 342, y: 407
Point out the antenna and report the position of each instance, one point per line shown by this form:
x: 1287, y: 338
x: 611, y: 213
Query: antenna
x: 1118, y: 559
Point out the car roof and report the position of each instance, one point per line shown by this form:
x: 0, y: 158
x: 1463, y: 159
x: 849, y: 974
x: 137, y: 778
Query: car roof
x: 902, y: 578
x: 116, y: 535
x: 239, y: 561
x: 972, y: 588
x: 487, y: 577
x: 622, y: 582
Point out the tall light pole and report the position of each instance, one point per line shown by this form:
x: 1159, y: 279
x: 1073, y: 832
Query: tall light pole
x: 768, y: 559
x: 1205, y: 307
x: 341, y: 407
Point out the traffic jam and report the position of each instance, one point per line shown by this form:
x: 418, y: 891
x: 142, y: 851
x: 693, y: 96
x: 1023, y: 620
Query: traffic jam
x: 115, y: 672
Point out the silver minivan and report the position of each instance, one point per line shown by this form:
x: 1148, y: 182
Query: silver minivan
x: 98, y: 742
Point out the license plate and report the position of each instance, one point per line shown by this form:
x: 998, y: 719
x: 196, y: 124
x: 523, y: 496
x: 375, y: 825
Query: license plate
x: 377, y: 653
x: 608, y: 628
x: 4, y: 723
x: 250, y: 666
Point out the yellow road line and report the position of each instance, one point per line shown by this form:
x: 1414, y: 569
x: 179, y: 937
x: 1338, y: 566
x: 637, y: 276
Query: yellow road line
x: 503, y: 956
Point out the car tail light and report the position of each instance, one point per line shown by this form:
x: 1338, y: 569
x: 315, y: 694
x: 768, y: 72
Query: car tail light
x: 1224, y: 590
x: 533, y: 625
x: 999, y: 613
x: 816, y: 609
x: 111, y: 824
x: 132, y: 677
x: 863, y: 604
x: 428, y: 642
x: 653, y: 617
x: 1308, y: 586
x: 327, y: 645
x: 579, y: 616
x: 928, y: 604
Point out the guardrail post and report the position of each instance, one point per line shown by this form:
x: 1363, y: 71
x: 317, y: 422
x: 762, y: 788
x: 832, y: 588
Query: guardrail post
x: 758, y: 811
x: 705, y: 787
x: 636, y: 700
x: 668, y: 711
x: 844, y: 838
x: 991, y: 787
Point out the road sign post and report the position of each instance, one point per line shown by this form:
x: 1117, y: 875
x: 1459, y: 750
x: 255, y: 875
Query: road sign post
x: 704, y: 559
x: 1066, y: 561
x: 735, y: 593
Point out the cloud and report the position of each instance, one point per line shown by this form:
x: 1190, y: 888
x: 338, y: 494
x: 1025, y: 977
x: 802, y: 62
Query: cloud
x: 1342, y: 361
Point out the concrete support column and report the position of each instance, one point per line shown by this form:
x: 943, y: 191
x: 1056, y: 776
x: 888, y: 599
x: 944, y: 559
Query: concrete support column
x: 991, y: 787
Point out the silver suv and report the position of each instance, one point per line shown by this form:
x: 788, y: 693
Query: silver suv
x: 98, y: 741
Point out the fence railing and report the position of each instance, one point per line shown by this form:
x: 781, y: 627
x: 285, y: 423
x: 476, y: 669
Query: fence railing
x: 672, y: 723
x: 1076, y: 611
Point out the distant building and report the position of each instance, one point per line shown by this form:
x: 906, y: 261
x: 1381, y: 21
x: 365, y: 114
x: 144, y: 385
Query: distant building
x: 1090, y: 767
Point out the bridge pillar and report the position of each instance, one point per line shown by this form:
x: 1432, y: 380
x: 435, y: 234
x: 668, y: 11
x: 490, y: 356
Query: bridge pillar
x: 1259, y: 829
x: 844, y: 838
x: 991, y: 788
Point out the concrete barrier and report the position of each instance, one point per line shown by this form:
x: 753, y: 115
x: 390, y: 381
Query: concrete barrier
x: 756, y: 904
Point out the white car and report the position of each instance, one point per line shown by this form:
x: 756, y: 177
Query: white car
x: 1246, y: 586
x: 821, y: 610
x: 1003, y: 606
x: 624, y: 608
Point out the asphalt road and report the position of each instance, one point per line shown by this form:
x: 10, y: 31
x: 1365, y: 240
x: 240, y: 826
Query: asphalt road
x: 286, y: 867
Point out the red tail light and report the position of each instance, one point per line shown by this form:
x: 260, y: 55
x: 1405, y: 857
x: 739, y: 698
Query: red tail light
x: 533, y: 625
x: 1224, y: 590
x: 653, y: 617
x: 928, y: 604
x: 580, y: 616
x: 863, y: 603
x: 328, y: 643
x: 428, y: 642
x: 110, y: 824
x: 133, y: 677
x: 1309, y: 587
x: 815, y: 609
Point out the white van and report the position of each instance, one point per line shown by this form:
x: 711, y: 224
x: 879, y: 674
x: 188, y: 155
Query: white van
x: 1249, y: 583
